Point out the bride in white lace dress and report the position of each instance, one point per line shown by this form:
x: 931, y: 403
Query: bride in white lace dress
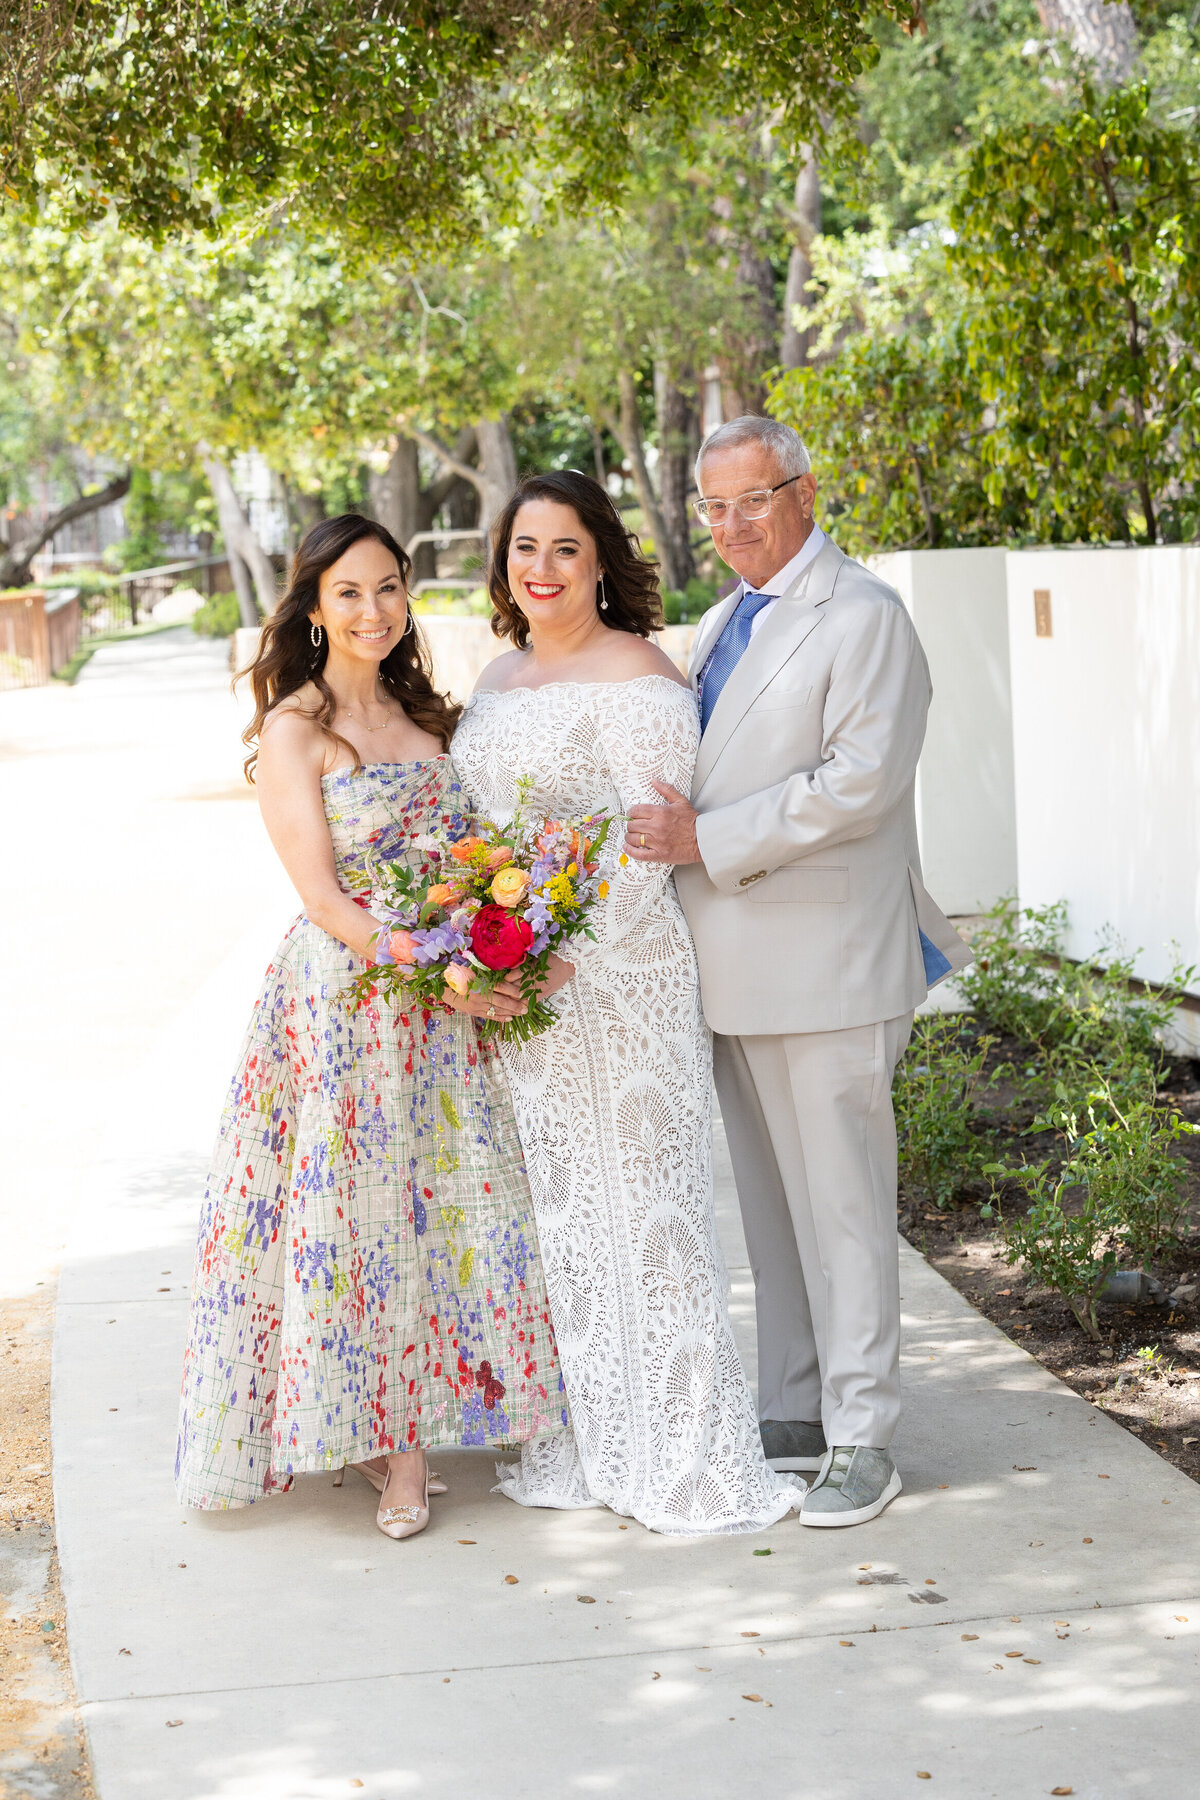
x: 613, y: 1103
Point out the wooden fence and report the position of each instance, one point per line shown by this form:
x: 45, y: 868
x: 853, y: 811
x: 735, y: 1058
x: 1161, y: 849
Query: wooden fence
x: 37, y: 636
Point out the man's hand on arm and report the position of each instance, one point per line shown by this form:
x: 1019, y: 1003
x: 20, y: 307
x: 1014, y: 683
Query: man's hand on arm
x: 663, y: 834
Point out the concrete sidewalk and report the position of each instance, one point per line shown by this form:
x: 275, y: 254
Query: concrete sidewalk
x: 290, y: 1652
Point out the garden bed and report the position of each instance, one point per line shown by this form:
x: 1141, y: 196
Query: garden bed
x: 1035, y: 1161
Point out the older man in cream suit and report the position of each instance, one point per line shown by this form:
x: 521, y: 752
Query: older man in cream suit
x: 798, y: 869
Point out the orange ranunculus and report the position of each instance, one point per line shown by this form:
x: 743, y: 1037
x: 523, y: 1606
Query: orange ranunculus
x: 444, y: 893
x: 403, y: 947
x: 509, y: 887
x: 498, y: 857
x: 458, y: 978
x: 464, y: 850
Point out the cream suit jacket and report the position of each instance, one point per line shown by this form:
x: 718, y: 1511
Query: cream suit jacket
x: 808, y: 908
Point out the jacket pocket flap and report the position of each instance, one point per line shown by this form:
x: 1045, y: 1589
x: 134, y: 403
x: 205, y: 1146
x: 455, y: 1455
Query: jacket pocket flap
x: 776, y: 699
x: 789, y: 886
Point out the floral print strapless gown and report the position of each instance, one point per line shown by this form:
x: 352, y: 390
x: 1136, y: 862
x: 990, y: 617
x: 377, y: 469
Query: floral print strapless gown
x: 367, y: 1276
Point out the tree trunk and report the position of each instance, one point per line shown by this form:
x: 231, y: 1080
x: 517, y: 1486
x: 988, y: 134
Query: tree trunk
x: 675, y: 413
x: 796, y: 340
x: 496, y: 475
x: 756, y: 274
x: 497, y: 465
x: 310, y: 510
x: 626, y: 428
x: 1101, y: 32
x: 15, y: 557
x: 241, y: 543
x: 396, y: 501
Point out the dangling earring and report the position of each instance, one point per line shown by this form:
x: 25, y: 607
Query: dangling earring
x: 410, y: 630
x: 603, y: 601
x: 316, y: 634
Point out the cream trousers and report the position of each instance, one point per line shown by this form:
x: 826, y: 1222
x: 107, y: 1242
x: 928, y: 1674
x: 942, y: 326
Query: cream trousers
x: 813, y: 1144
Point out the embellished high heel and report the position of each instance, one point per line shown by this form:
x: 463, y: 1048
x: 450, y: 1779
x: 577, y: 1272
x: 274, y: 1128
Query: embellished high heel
x: 379, y: 1482
x: 403, y: 1521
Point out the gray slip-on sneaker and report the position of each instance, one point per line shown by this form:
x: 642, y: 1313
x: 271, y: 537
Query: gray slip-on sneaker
x: 791, y: 1444
x: 854, y: 1485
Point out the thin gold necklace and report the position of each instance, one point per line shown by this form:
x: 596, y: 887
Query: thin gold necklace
x: 367, y: 725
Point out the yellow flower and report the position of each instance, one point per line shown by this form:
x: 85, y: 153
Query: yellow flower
x: 622, y: 859
x: 509, y: 885
x: 602, y: 890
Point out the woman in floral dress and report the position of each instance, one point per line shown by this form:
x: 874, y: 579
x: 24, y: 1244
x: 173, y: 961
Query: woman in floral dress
x: 368, y: 1284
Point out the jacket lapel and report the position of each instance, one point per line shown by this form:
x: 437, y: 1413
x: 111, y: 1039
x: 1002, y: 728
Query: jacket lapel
x: 780, y: 637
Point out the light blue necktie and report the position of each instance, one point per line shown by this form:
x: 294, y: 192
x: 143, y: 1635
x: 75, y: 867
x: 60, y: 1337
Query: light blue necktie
x: 729, y: 649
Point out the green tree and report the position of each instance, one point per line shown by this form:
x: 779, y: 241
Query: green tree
x: 1082, y: 241
x: 410, y: 121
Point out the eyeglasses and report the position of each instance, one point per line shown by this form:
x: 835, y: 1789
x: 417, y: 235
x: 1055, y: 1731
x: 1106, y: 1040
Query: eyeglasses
x: 753, y: 505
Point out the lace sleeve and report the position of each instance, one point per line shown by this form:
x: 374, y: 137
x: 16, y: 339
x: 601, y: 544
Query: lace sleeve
x: 649, y: 731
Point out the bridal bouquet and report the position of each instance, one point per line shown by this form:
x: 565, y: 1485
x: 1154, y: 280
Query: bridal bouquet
x: 482, y: 906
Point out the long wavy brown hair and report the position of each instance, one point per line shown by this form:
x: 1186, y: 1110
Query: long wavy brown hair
x: 287, y: 659
x: 630, y: 579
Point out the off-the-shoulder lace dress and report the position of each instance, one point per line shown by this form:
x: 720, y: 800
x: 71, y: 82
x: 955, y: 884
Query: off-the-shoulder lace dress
x: 613, y: 1105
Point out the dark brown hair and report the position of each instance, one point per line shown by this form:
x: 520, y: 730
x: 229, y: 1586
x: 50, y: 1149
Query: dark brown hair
x: 630, y: 579
x: 287, y: 658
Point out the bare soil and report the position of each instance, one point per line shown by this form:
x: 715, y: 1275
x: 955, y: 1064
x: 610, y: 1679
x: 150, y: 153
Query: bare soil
x: 42, y: 1750
x: 1155, y: 1396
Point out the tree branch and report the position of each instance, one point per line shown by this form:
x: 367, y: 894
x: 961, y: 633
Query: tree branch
x: 16, y: 557
x: 448, y: 458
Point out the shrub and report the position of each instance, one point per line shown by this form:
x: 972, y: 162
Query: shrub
x: 681, y: 605
x: 937, y: 1129
x: 1119, y: 1190
x: 219, y: 617
x: 1022, y: 985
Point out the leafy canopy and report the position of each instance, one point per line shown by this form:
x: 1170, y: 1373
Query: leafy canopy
x: 408, y: 119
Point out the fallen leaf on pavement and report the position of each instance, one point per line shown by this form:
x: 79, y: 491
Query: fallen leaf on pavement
x: 1014, y: 1653
x: 751, y: 1696
x: 511, y: 1580
x: 1062, y: 1790
x: 586, y: 1599
x: 846, y: 1643
x: 172, y: 1722
x: 970, y: 1637
x: 747, y: 1634
x: 924, y: 1775
x: 466, y: 1540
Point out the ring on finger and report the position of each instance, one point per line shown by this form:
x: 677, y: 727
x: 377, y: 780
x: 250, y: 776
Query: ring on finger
x: 643, y: 840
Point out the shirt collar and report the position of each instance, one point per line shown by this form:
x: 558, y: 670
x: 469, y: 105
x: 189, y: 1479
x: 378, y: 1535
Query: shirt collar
x: 808, y: 551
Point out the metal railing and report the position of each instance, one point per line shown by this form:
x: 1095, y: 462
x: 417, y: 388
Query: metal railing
x: 443, y: 537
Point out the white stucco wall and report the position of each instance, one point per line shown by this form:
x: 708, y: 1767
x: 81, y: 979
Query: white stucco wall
x: 1106, y: 733
x: 966, y: 819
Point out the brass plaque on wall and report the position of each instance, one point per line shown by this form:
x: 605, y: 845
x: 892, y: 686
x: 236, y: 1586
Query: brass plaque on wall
x: 1041, y: 612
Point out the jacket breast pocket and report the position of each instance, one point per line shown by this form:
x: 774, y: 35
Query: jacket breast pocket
x: 776, y: 699
x: 789, y: 886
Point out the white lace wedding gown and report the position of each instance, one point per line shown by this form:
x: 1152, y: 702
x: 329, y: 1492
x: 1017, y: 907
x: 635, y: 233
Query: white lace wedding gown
x: 613, y: 1105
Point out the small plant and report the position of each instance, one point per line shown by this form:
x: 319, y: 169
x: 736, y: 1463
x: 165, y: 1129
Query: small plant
x: 1068, y: 1249
x: 1153, y: 1361
x: 219, y: 617
x: 1118, y: 1191
x: 1023, y: 985
x: 937, y: 1127
x: 1128, y: 1160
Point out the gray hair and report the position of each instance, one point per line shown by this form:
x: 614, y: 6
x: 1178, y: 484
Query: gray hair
x: 786, y: 445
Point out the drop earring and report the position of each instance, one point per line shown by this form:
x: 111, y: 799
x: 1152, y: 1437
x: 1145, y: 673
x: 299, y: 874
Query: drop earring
x: 316, y: 635
x: 603, y: 600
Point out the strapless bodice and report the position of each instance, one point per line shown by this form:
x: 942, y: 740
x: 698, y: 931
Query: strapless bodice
x: 375, y: 811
